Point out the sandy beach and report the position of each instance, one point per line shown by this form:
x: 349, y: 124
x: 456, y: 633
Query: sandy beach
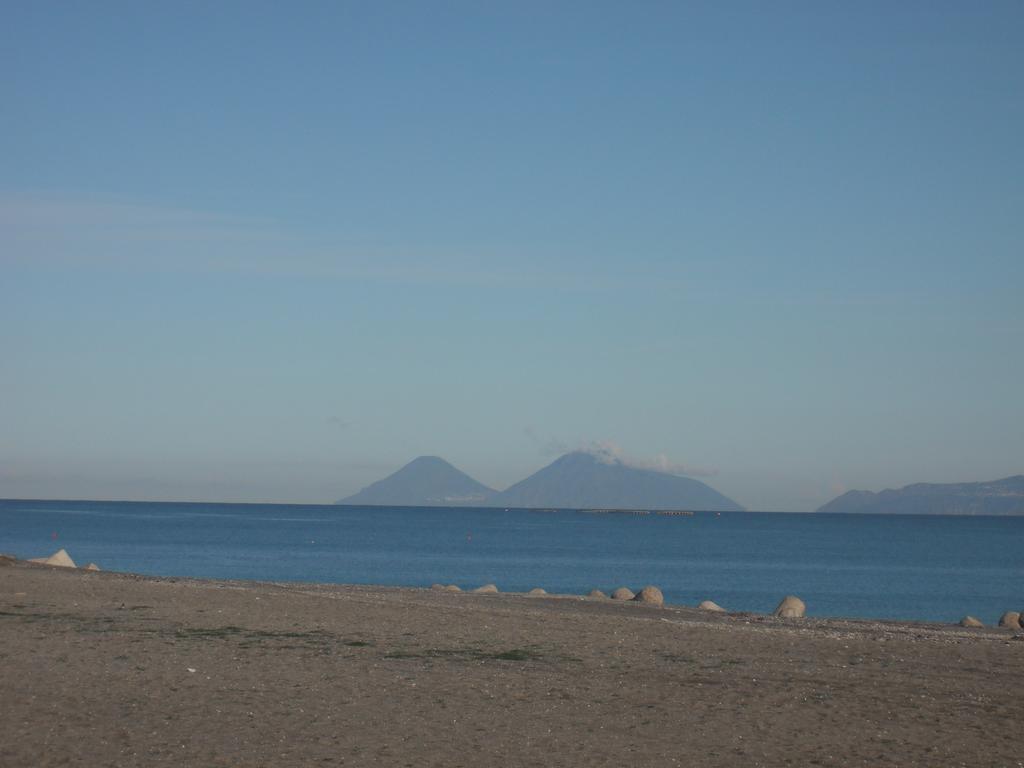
x: 106, y: 669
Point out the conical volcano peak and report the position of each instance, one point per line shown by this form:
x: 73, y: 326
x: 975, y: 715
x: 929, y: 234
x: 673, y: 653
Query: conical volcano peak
x: 426, y: 481
x: 600, y: 478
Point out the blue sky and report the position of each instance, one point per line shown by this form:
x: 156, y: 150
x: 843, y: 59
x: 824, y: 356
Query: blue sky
x: 250, y: 252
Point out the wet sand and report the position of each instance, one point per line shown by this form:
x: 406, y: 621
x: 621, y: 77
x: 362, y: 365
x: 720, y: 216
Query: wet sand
x: 105, y: 669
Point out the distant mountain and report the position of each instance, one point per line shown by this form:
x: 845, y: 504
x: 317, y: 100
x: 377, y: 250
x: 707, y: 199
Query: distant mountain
x: 428, y: 481
x: 582, y: 481
x: 998, y: 497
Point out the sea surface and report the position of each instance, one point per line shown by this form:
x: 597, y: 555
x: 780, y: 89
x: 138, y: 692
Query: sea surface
x: 913, y: 567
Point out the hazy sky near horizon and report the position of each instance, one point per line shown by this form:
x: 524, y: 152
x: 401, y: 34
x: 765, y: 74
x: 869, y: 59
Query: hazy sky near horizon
x: 267, y: 252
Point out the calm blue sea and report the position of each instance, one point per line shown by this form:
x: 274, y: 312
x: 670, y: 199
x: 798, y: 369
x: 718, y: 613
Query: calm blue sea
x: 881, y: 566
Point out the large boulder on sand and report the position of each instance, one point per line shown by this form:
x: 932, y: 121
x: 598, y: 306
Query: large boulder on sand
x: 487, y: 589
x: 791, y: 607
x: 537, y: 591
x: 597, y: 593
x: 650, y: 595
x: 707, y: 605
x: 59, y: 558
x: 1010, y: 619
x: 452, y: 588
x: 623, y: 593
x: 970, y: 621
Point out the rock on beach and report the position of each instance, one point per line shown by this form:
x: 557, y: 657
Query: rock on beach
x: 597, y: 593
x: 1010, y: 619
x: 708, y: 605
x: 650, y: 595
x: 970, y: 621
x: 623, y: 593
x: 791, y: 607
x: 59, y: 558
x: 487, y: 589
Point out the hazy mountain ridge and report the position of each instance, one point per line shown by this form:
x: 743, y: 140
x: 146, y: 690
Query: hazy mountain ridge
x: 994, y: 497
x: 576, y: 480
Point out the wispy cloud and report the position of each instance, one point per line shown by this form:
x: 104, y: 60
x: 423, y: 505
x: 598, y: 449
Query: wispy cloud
x: 611, y: 452
x: 548, y: 446
x: 41, y: 230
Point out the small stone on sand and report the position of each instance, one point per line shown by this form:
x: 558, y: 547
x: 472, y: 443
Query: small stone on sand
x: 597, y: 593
x: 623, y: 593
x: 537, y: 591
x: 970, y: 621
x: 486, y: 589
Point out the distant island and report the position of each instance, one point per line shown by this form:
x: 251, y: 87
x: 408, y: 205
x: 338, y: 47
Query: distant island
x: 428, y: 481
x: 996, y: 497
x: 577, y: 480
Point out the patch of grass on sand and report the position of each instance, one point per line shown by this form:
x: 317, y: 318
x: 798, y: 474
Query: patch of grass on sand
x: 469, y: 654
x: 27, y: 616
x: 678, y: 658
x: 252, y: 635
x: 516, y: 654
x: 227, y: 631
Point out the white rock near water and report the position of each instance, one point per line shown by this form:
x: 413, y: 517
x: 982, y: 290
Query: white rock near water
x: 708, y: 605
x: 791, y: 607
x: 59, y: 558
